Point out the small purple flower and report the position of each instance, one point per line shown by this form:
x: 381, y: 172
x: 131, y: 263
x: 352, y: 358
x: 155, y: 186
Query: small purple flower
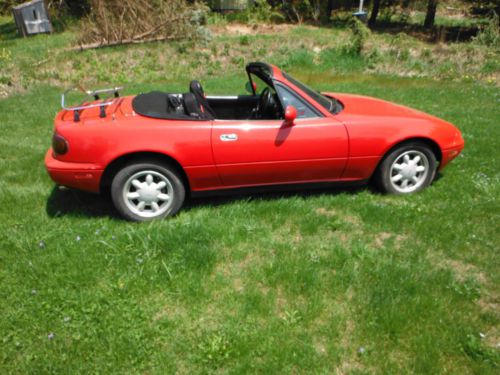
x: 41, y: 244
x: 51, y: 335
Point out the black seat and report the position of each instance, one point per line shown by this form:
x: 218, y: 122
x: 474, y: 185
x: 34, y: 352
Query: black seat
x: 197, y: 90
x: 191, y: 106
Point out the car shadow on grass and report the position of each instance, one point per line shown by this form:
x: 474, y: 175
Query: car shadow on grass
x: 68, y: 202
x: 220, y: 198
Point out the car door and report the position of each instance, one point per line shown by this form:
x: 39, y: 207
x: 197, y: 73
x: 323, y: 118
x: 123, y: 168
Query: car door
x: 254, y: 152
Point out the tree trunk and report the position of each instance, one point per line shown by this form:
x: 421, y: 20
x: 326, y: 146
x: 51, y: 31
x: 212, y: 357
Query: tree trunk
x: 431, y: 14
x: 374, y: 13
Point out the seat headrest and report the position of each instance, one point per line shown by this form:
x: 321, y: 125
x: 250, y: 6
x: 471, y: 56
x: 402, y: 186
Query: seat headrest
x: 195, y: 87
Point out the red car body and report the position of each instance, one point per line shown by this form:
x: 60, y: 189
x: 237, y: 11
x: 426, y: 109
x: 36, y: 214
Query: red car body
x: 346, y: 146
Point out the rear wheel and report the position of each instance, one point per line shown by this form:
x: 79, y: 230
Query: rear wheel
x: 407, y: 169
x: 147, y: 191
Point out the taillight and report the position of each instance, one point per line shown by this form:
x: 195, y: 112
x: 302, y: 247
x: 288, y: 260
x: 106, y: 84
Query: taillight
x: 59, y: 144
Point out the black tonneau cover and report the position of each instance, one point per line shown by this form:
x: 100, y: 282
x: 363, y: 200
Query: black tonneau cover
x: 158, y: 104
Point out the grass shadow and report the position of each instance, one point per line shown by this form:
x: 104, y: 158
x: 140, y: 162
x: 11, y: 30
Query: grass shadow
x: 8, y: 31
x: 438, y: 33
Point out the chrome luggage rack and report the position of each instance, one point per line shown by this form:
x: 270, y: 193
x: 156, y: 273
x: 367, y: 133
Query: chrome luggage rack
x: 111, y: 95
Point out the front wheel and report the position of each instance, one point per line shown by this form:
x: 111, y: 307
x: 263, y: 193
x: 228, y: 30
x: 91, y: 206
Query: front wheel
x: 147, y: 191
x: 409, y: 168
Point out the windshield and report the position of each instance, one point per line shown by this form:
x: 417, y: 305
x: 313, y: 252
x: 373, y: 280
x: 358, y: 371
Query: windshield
x: 327, y: 103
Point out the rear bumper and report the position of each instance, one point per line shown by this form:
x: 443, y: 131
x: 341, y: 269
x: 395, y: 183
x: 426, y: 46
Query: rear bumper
x: 81, y: 176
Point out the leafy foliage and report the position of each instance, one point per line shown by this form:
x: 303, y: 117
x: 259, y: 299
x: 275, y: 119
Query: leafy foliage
x: 259, y: 12
x: 360, y: 34
x: 490, y: 35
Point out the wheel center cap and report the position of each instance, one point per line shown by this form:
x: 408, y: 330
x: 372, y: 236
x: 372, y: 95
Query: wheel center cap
x: 409, y: 171
x: 148, y: 194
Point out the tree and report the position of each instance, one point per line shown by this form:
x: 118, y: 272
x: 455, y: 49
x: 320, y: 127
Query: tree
x: 374, y: 13
x: 431, y: 13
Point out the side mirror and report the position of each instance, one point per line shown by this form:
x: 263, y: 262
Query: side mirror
x: 290, y: 115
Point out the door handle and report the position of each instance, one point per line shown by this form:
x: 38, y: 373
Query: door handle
x: 228, y: 137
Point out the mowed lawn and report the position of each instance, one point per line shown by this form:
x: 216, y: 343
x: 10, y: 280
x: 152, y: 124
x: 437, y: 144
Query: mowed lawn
x: 333, y: 281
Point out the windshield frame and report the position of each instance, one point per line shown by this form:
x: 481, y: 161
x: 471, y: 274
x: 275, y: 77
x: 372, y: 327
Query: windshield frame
x: 324, y: 101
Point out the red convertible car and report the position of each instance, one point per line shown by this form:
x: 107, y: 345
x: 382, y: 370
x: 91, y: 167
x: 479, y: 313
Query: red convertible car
x: 153, y: 149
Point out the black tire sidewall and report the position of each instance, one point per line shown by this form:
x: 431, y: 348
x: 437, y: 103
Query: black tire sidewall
x: 383, y: 174
x: 123, y: 175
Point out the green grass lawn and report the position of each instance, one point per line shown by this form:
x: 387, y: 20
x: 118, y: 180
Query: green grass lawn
x: 335, y: 281
x: 322, y: 282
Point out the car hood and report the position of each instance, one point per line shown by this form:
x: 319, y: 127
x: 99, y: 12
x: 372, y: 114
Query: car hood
x: 373, y: 107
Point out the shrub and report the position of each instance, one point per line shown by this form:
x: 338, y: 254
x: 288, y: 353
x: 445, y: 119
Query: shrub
x: 260, y: 12
x: 360, y: 34
x: 490, y: 34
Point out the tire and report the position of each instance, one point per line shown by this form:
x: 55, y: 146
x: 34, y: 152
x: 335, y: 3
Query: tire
x: 408, y: 168
x: 147, y: 191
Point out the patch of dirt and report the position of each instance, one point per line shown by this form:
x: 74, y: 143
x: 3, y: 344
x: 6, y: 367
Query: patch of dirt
x: 169, y: 311
x: 281, y: 301
x: 241, y: 29
x: 350, y: 361
x: 353, y: 220
x: 491, y: 303
x: 229, y: 268
x: 464, y: 270
x: 233, y: 271
x: 381, y: 238
x: 320, y: 346
x: 492, y: 338
x: 349, y: 219
x: 326, y: 212
x: 238, y: 284
x: 4, y: 91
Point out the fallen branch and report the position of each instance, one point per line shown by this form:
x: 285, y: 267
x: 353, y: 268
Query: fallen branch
x: 97, y: 45
x: 155, y: 29
x: 117, y: 22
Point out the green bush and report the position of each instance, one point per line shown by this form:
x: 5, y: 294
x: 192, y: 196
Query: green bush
x: 490, y: 35
x: 260, y: 12
x: 360, y: 34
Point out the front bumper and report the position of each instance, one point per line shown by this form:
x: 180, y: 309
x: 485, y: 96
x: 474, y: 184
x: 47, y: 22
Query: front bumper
x: 450, y: 154
x: 81, y: 176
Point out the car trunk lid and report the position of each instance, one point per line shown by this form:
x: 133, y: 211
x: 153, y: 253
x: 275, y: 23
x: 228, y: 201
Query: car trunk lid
x: 97, y: 110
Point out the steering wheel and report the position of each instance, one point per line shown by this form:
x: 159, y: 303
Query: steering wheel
x: 266, y: 107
